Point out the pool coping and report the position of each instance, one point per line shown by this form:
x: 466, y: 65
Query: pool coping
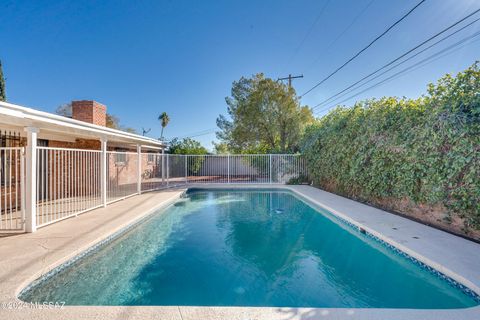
x: 316, y: 197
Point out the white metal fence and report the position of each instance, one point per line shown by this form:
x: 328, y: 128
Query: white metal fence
x: 12, y: 177
x: 153, y: 171
x: 167, y: 170
x: 122, y: 175
x: 68, y: 183
x: 72, y: 181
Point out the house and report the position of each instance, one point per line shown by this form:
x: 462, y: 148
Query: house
x: 67, y: 166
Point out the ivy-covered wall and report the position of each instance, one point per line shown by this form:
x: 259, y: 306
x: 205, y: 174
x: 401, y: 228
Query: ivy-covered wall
x: 419, y: 157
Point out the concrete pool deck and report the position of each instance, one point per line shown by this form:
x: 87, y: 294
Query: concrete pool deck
x: 25, y: 257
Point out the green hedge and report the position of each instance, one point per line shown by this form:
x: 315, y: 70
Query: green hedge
x: 425, y: 150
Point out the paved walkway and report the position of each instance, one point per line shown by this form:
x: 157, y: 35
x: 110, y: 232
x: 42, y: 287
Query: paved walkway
x: 25, y: 257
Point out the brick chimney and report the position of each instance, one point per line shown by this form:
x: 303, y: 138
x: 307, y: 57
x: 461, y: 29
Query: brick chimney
x: 89, y: 111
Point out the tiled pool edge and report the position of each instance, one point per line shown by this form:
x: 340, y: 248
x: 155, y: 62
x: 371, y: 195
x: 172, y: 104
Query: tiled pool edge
x: 91, y: 248
x: 394, y: 246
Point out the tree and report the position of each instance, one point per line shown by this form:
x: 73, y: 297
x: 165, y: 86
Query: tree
x: 64, y: 110
x: 220, y: 148
x: 3, y: 94
x: 164, y: 120
x: 265, y: 116
x: 189, y: 146
x: 186, y: 146
x: 111, y: 121
x: 128, y: 129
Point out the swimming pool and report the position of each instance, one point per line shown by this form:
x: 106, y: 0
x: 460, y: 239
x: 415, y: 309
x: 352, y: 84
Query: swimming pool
x: 247, y: 248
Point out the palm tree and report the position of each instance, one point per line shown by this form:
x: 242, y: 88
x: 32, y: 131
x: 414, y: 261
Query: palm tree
x: 164, y: 120
x: 3, y: 96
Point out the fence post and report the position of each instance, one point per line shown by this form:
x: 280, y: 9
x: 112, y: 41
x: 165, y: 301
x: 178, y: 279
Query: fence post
x: 186, y: 169
x: 228, y: 168
x: 139, y: 169
x: 163, y: 167
x: 168, y: 169
x: 104, y: 171
x: 270, y: 168
x: 31, y: 180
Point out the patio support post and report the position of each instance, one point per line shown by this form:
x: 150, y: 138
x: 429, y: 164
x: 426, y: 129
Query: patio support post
x: 270, y: 168
x: 139, y: 169
x: 104, y: 172
x: 31, y: 180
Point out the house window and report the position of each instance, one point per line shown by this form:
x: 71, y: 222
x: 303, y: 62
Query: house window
x: 120, y: 157
x: 151, y: 157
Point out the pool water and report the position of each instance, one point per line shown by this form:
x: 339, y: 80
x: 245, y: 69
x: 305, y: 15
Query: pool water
x: 247, y: 248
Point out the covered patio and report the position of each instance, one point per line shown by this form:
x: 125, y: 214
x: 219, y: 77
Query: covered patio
x: 55, y: 167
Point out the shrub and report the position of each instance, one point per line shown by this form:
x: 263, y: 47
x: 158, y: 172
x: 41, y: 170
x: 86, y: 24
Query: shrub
x: 300, y: 179
x: 425, y: 150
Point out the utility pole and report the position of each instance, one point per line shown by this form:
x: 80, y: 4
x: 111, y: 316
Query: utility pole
x: 290, y: 78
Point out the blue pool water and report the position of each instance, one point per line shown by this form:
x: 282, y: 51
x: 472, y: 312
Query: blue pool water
x: 247, y: 248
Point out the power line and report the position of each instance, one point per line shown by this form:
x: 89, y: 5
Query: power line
x: 400, y: 73
x: 343, y: 32
x: 364, y: 48
x: 202, y: 134
x: 411, y: 68
x: 386, y: 71
x: 308, y: 33
x: 198, y: 133
x: 421, y: 63
x: 407, y: 53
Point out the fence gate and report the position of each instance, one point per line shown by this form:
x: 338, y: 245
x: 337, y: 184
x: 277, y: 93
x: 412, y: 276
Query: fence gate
x: 12, y: 186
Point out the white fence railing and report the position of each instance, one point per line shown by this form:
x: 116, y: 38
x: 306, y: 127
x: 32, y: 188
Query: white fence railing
x: 69, y: 182
x: 122, y: 175
x: 12, y: 177
x: 153, y: 171
x: 167, y: 170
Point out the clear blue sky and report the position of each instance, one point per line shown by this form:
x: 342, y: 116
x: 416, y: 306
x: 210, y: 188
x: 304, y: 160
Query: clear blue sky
x: 144, y: 57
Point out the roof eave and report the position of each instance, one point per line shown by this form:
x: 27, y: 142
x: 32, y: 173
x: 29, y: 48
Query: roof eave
x: 51, y: 122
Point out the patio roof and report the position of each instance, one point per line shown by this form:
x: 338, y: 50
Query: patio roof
x: 56, y: 127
